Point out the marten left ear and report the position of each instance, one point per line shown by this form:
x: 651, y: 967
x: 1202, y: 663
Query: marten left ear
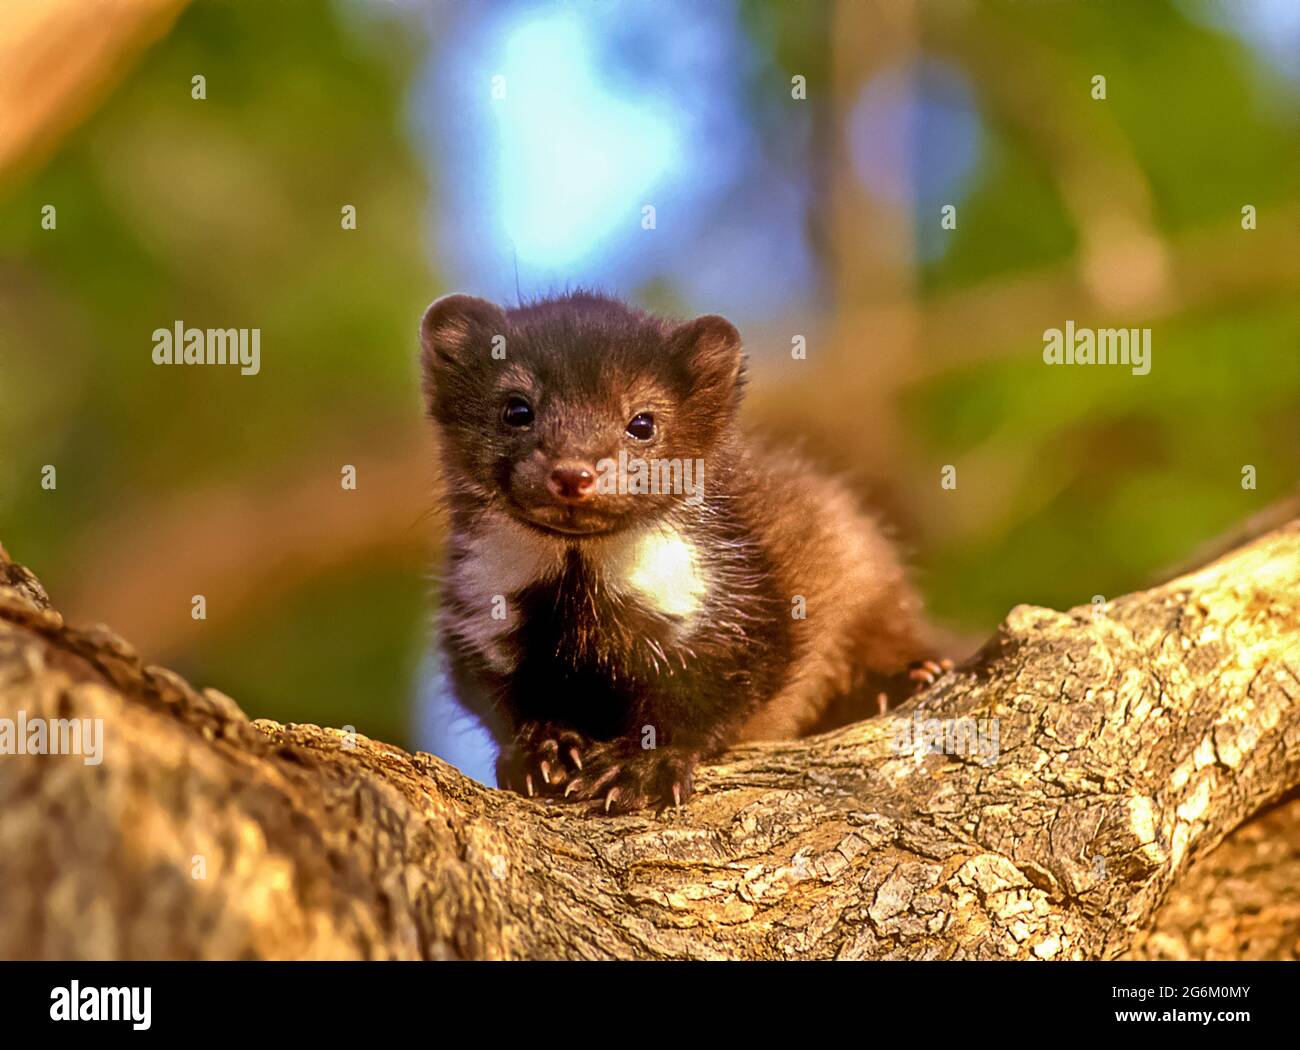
x: 454, y: 332
x: 450, y: 326
x: 709, y: 351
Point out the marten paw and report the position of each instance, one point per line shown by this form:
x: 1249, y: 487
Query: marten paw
x: 924, y: 673
x: 623, y: 777
x: 542, y: 757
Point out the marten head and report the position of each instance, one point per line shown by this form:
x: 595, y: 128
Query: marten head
x: 578, y: 414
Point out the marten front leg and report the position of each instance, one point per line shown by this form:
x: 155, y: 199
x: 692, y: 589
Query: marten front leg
x: 924, y: 673
x: 541, y: 758
x: 622, y: 776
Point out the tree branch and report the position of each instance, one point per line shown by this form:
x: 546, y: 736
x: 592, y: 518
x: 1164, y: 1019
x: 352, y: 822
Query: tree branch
x: 1241, y: 901
x: 1130, y: 741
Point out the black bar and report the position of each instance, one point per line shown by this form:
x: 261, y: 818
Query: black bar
x: 610, y: 1002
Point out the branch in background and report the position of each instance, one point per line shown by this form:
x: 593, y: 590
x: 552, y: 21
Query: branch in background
x: 61, y: 58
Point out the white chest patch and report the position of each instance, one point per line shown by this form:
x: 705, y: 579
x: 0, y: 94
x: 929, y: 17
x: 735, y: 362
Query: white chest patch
x: 503, y: 557
x: 497, y: 560
x: 660, y: 567
x: 657, y: 566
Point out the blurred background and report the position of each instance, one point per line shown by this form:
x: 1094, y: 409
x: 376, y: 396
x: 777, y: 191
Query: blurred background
x: 797, y: 156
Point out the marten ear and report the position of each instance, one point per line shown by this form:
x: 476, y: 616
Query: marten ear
x: 454, y: 327
x: 708, y: 350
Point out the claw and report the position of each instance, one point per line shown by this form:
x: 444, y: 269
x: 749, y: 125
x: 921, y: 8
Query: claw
x: 573, y: 786
x: 677, y: 796
x: 611, y: 798
x: 528, y: 781
x: 605, y: 778
x: 882, y: 702
x: 545, y: 767
x: 575, y: 758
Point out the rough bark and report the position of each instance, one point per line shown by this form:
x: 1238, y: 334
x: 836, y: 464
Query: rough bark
x: 1133, y: 739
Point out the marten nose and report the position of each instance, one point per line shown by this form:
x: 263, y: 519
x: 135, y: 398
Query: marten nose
x: 571, y: 482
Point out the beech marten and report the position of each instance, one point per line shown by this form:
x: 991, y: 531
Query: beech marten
x: 632, y: 582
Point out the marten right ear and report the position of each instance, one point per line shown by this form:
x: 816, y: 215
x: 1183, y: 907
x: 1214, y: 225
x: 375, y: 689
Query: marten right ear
x: 453, y: 328
x: 709, y: 351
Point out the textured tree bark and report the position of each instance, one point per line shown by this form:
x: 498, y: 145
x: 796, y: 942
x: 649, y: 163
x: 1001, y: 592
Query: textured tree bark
x: 1130, y: 740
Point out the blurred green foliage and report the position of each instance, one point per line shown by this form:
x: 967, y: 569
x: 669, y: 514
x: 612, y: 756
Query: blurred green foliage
x: 226, y: 212
x: 1140, y: 470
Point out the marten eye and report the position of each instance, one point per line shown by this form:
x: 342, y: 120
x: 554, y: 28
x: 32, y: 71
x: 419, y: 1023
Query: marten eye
x: 642, y: 426
x: 516, y: 412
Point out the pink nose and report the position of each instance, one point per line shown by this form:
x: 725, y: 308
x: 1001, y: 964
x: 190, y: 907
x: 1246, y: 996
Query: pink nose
x: 571, y: 482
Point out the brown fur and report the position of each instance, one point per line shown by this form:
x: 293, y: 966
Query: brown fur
x: 863, y: 621
x: 761, y: 610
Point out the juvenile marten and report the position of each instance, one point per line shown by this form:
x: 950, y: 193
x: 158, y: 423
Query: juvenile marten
x: 632, y: 582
